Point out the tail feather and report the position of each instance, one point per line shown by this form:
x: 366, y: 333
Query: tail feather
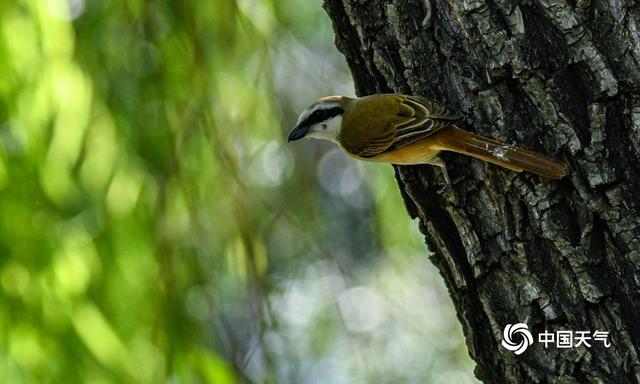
x: 505, y: 155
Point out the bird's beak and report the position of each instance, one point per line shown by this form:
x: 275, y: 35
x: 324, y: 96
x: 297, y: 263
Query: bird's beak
x: 298, y: 133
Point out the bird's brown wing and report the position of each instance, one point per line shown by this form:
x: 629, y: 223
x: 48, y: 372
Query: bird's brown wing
x: 427, y: 117
x: 414, y: 119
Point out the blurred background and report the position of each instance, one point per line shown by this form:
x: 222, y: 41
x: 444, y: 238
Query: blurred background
x: 156, y: 227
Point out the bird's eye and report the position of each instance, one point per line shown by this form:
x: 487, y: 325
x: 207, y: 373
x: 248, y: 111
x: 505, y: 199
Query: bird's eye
x: 321, y: 115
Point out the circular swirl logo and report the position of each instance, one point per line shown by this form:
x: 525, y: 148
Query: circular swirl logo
x: 519, y: 330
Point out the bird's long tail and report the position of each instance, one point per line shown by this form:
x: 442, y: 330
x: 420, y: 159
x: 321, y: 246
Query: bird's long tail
x: 505, y: 155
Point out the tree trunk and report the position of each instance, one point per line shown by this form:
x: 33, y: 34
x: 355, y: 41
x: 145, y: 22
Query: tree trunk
x: 556, y: 76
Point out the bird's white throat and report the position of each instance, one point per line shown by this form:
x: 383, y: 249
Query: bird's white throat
x: 326, y: 130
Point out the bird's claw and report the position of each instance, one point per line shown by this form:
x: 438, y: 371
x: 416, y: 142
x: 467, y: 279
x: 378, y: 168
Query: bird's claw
x: 444, y: 189
x: 447, y: 179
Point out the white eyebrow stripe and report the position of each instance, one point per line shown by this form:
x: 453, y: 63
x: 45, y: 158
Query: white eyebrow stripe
x: 323, y: 112
x: 320, y: 107
x: 324, y: 106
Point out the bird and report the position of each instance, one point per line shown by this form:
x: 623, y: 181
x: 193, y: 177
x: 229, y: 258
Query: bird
x: 408, y: 130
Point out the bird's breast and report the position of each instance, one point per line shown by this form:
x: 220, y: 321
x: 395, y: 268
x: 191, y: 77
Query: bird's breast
x: 420, y: 152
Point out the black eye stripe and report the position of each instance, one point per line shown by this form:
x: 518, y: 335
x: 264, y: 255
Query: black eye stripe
x: 321, y: 115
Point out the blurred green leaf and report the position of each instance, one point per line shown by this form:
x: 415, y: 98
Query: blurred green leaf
x: 156, y: 226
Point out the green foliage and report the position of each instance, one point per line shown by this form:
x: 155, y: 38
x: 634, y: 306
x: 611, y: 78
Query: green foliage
x: 155, y: 224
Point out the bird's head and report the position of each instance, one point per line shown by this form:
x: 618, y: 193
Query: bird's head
x: 321, y: 120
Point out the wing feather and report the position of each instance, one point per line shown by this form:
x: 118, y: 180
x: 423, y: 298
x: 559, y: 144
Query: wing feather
x: 416, y: 118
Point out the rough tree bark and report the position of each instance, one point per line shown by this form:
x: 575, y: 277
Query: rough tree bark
x: 557, y: 76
